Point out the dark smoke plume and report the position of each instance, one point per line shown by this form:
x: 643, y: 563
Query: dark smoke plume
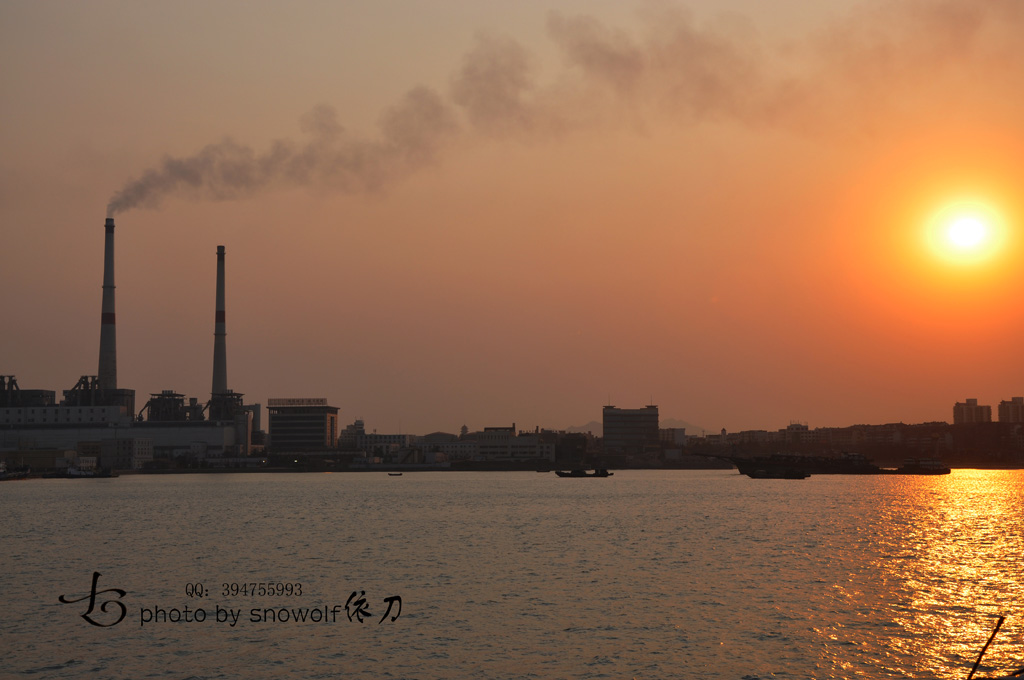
x: 412, y: 133
x: 843, y: 81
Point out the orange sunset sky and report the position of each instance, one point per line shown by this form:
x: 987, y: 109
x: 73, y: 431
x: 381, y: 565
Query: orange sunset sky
x: 484, y: 212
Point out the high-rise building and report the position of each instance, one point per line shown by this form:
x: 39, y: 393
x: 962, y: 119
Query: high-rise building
x: 1012, y: 411
x: 971, y: 412
x: 630, y: 430
x: 302, y: 425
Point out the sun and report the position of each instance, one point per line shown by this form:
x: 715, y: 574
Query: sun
x: 965, y: 232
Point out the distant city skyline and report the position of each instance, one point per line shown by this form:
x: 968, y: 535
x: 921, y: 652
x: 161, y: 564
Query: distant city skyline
x: 481, y: 213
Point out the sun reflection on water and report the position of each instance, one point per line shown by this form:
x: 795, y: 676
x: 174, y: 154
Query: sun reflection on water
x: 948, y: 562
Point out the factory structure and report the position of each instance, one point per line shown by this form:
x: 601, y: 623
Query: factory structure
x: 97, y: 424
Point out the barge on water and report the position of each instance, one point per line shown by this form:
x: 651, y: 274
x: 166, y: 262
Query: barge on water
x: 781, y: 463
x: 789, y: 466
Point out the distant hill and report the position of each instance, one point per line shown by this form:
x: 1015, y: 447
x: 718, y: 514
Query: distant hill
x: 690, y: 427
x: 596, y: 428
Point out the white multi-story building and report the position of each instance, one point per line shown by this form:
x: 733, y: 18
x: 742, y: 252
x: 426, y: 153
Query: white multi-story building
x: 450, y: 445
x: 971, y: 412
x: 503, y: 443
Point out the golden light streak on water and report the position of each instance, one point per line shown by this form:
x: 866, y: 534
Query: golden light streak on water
x: 953, y: 559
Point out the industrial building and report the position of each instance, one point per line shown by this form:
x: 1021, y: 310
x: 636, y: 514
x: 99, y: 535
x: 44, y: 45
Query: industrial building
x: 98, y: 415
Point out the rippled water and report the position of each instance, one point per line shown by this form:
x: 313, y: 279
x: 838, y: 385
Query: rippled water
x: 683, y: 574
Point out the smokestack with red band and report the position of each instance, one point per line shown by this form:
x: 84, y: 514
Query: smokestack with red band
x: 220, y: 370
x: 108, y: 336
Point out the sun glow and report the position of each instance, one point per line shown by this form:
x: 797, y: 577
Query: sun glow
x: 966, y: 233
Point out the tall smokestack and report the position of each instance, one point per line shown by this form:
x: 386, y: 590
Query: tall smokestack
x: 220, y: 352
x: 108, y: 336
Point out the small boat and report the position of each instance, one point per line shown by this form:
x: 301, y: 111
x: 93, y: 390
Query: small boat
x: 600, y: 472
x: 394, y: 474
x: 923, y: 466
x: 777, y: 473
x: 73, y: 472
x: 7, y: 475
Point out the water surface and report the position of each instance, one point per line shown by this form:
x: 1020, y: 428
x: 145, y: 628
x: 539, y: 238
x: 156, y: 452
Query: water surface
x: 647, y: 574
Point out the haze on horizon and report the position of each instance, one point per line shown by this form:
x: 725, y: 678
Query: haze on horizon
x: 482, y: 213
